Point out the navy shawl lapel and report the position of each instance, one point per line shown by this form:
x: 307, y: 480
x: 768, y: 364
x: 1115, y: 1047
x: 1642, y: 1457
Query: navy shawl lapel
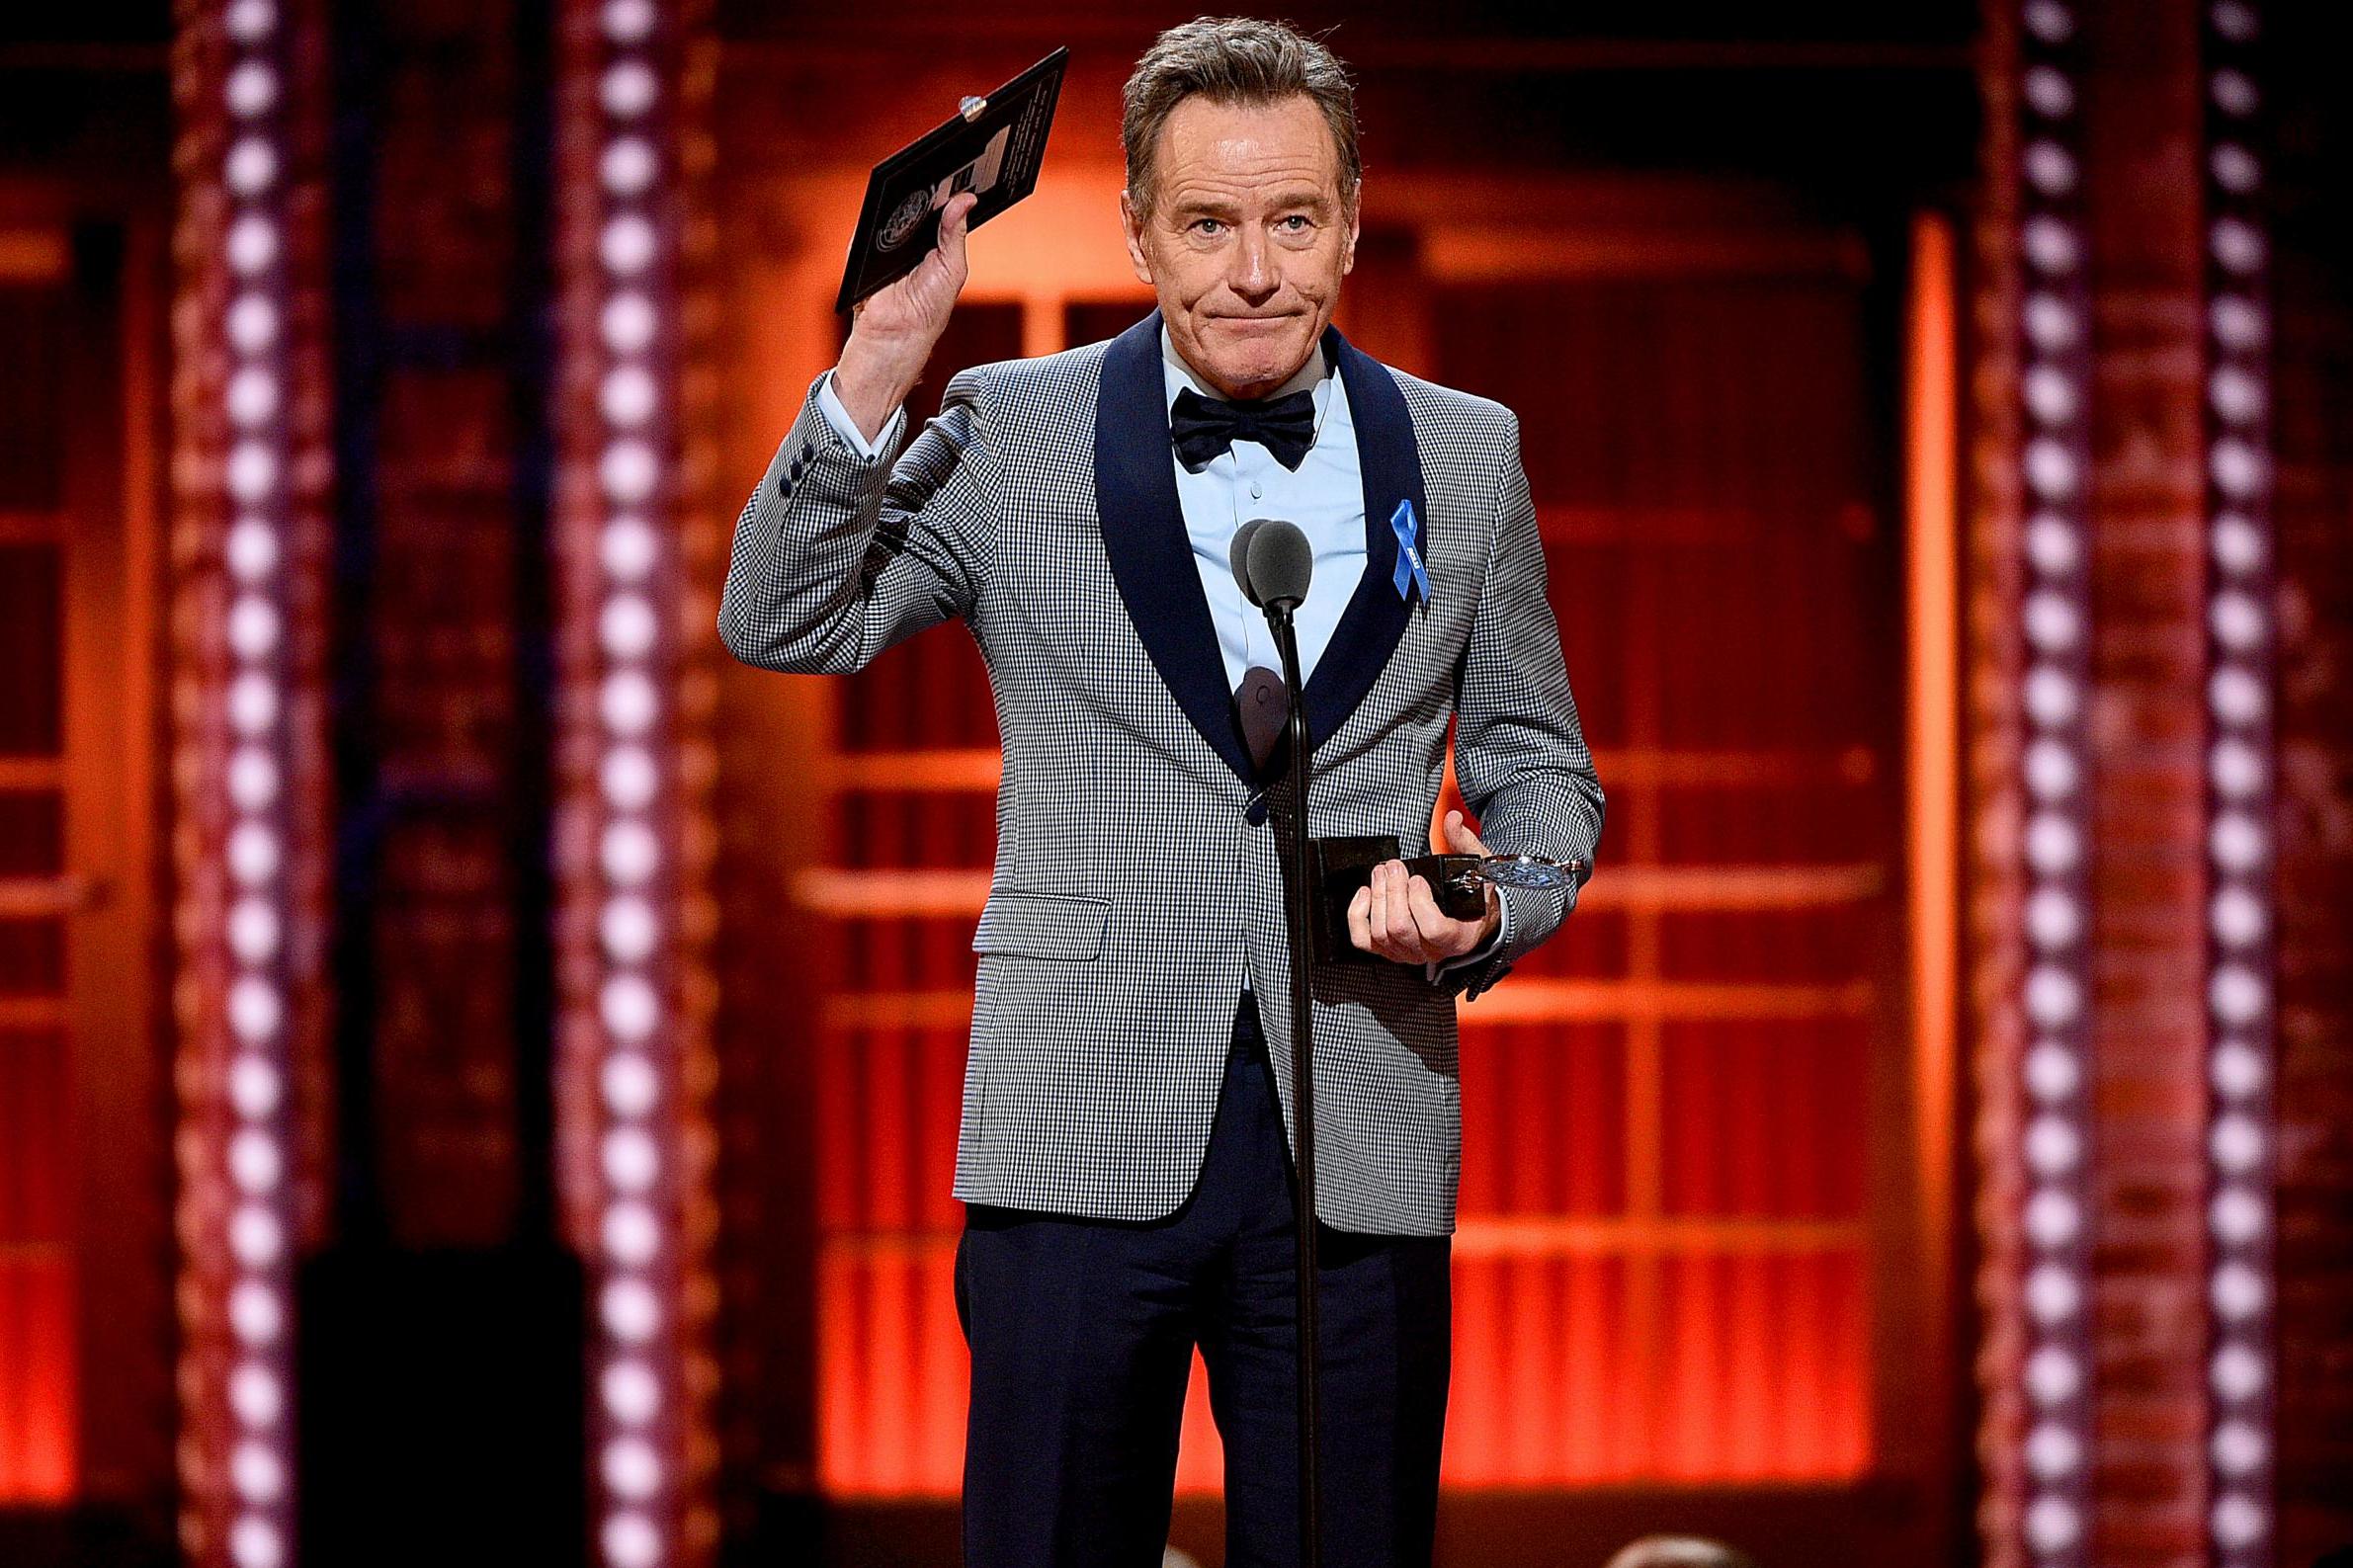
x: 1376, y: 618
x: 1144, y: 539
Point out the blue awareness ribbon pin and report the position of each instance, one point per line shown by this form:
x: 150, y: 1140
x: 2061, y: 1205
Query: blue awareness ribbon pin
x: 1409, y: 570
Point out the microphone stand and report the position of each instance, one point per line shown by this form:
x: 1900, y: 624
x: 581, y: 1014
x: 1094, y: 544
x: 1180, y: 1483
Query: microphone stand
x: 1301, y: 912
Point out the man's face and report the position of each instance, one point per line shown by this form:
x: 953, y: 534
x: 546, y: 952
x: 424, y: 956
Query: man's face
x: 1248, y: 239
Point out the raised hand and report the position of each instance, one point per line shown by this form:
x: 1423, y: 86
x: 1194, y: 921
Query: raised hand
x: 893, y: 330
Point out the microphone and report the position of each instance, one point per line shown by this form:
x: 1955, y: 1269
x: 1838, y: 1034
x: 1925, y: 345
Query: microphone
x: 1274, y: 563
x: 1241, y: 555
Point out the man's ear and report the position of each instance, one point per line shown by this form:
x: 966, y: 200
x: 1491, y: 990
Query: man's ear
x: 1356, y: 207
x: 1135, y: 230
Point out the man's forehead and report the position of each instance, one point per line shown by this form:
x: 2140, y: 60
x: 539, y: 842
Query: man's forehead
x: 1290, y: 136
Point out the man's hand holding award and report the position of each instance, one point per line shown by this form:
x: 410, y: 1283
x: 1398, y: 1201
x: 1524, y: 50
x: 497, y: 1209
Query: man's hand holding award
x: 892, y: 331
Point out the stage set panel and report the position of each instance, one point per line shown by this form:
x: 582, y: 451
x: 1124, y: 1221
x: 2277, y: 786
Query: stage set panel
x: 37, y: 1274
x: 84, y: 1175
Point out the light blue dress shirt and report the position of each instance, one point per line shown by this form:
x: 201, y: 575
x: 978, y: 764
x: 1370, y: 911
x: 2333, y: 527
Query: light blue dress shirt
x: 1326, y: 497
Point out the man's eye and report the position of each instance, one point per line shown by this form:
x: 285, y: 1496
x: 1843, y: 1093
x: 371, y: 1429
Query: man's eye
x: 1204, y: 225
x: 1297, y: 221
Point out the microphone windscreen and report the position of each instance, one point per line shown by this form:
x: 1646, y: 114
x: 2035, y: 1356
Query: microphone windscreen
x: 1282, y: 562
x: 1241, y: 554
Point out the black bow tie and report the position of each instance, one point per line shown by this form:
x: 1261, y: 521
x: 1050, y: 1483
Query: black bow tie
x: 1204, y: 427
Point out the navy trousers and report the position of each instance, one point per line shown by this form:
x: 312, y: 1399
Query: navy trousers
x: 1082, y: 1335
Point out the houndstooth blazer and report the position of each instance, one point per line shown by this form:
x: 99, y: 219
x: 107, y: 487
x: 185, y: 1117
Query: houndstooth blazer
x: 1138, y: 888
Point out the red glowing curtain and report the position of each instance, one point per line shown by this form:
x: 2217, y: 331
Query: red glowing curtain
x: 37, y: 1305
x: 1663, y: 1254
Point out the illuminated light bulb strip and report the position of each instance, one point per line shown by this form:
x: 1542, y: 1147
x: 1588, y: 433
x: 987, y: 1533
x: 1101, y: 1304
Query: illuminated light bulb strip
x: 634, y: 834
x: 249, y: 482
x: 2054, y: 999
x: 2239, y: 666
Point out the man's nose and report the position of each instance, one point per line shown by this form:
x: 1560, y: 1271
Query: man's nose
x: 1252, y: 275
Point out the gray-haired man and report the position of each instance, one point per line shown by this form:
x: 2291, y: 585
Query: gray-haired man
x: 1125, y: 1146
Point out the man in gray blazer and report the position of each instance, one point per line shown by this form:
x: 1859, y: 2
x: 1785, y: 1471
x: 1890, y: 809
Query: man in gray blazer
x: 1124, y: 1144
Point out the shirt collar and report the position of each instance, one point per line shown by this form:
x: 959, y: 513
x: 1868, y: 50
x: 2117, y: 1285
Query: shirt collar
x: 1178, y: 375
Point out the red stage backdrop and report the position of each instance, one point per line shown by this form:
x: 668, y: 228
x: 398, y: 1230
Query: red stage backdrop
x: 36, y: 1251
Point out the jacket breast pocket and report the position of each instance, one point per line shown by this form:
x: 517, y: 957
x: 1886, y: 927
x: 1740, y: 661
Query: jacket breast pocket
x: 1043, y: 926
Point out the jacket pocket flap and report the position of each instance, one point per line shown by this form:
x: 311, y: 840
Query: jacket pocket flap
x: 1042, y: 925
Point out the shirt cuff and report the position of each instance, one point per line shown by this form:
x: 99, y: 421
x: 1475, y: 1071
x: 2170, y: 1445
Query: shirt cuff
x: 1484, y: 950
x: 845, y: 427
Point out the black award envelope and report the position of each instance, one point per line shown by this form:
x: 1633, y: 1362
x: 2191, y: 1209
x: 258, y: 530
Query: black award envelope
x: 993, y: 146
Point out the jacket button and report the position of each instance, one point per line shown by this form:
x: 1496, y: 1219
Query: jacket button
x: 1255, y: 812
